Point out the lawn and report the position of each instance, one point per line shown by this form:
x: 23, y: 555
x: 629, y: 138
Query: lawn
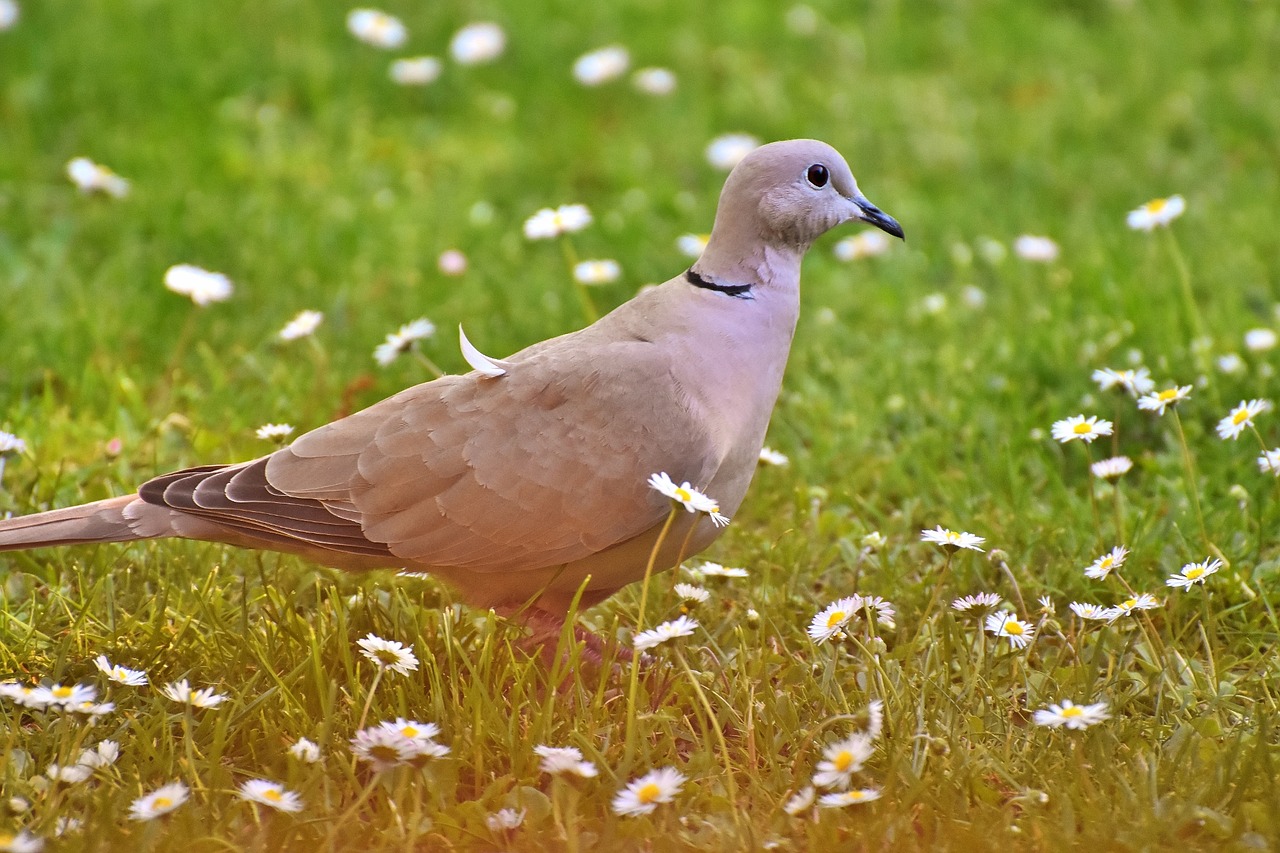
x: 263, y: 141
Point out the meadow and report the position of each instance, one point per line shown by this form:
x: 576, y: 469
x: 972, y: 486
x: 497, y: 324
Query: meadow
x: 265, y: 141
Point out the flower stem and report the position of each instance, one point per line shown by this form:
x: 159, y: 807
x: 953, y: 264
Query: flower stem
x: 364, y: 714
x: 584, y: 298
x: 426, y: 362
x: 1192, y: 481
x: 715, y: 726
x: 1188, y: 300
x: 634, y: 685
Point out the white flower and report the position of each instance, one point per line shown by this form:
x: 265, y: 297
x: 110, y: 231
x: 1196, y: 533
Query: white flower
x: 597, y: 271
x: 978, y: 601
x: 692, y: 245
x: 873, y: 541
x: 10, y: 443
x: 1269, y: 461
x: 933, y: 304
x: 377, y: 28
x: 415, y: 71
x: 769, y: 456
x: 65, y: 826
x: 884, y: 610
x: 92, y: 709
x: 402, y: 340
x: 685, y: 495
x: 1240, y: 417
x: 1157, y: 212
x: 1107, y: 563
x: 23, y: 695
x: 200, y: 285
x: 270, y: 794
x: 548, y: 223
x: 1071, y: 715
x: 715, y: 570
x: 564, y: 759
x: 1137, y: 381
x: 388, y: 654
x: 1109, y: 469
x: 504, y: 820
x: 992, y: 250
x: 65, y: 695
x: 1142, y: 601
x: 305, y: 751
x: 385, y: 747
x: 181, y: 692
x: 1005, y: 624
x: 725, y: 152
x: 1158, y: 401
x: 1231, y: 363
x: 477, y: 43
x: 302, y: 325
x: 104, y: 754
x: 92, y: 177
x: 1091, y: 611
x: 601, y: 65
x: 841, y: 760
x: 1080, y: 427
x: 802, y: 801
x: 831, y: 620
x: 689, y: 592
x: 866, y: 244
x: 160, y: 801
x: 1032, y: 248
x: 120, y: 674
x: 681, y: 626
x: 9, y: 14
x: 412, y: 729
x: 1259, y: 340
x: 654, y: 81
x: 452, y: 262
x: 643, y: 795
x: 974, y: 297
x: 951, y: 539
x: 1046, y: 605
x: 274, y: 432
x: 20, y: 841
x: 1193, y: 573
x: 875, y: 718
x: 848, y: 798
x: 72, y: 774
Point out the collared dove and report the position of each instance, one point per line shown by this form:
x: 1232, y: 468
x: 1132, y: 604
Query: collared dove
x: 517, y: 482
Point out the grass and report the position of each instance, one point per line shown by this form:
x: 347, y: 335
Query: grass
x: 264, y: 142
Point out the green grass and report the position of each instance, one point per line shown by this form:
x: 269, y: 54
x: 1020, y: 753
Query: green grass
x: 264, y: 142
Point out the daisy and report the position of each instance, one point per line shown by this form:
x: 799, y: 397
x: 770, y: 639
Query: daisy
x: 692, y: 245
x: 477, y: 43
x: 1005, y: 624
x: 978, y: 601
x: 830, y: 621
x: 681, y: 626
x: 1157, y: 212
x: 802, y: 801
x: 305, y: 751
x: 547, y: 224
x: 873, y: 541
x: 867, y: 244
x: 1193, y: 573
x: 71, y: 774
x: 1110, y: 469
x: 1046, y: 605
x: 1082, y: 428
x: 10, y: 443
x: 951, y: 539
x: 1136, y: 381
x: 643, y: 795
x: 377, y: 28
x: 1240, y: 417
x: 684, y: 494
x: 602, y: 65
x: 200, y: 285
x: 21, y: 841
x: 1142, y: 601
x: 875, y: 718
x: 402, y: 340
x: 270, y: 794
x: 1259, y: 340
x: 884, y: 610
x: 933, y: 305
x: 715, y: 570
x: 1158, y: 401
x: 1094, y: 612
x: 301, y: 326
x: 120, y: 674
x: 596, y: 272
x: 564, y: 759
x: 1033, y: 248
x: 770, y: 456
x: 654, y: 81
x: 274, y: 432
x: 388, y: 654
x: 689, y: 592
x: 1269, y: 462
x: 384, y: 748
x: 1071, y: 715
x: 974, y: 297
x: 1231, y: 363
x: 23, y: 695
x: 104, y: 754
x: 505, y: 820
x: 181, y: 692
x: 415, y: 71
x: 159, y: 802
x: 725, y: 152
x: 848, y: 798
x: 841, y: 760
x: 66, y: 695
x: 1107, y: 563
x: 93, y: 709
x: 92, y: 177
x: 451, y: 262
x: 412, y: 729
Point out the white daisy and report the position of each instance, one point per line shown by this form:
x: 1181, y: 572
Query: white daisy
x: 65, y: 695
x: 1241, y: 417
x: 681, y: 626
x: 415, y: 70
x: 10, y: 443
x: 692, y: 245
x: 304, y: 324
x: 654, y: 81
x: 1157, y: 212
x: 270, y: 794
x: 1032, y: 248
x: 451, y: 262
x: 725, y: 152
x: 977, y: 601
x: 377, y: 28
x: 1080, y: 427
x: 402, y: 340
x: 951, y: 539
x: 884, y: 610
x: 305, y: 751
x: 1141, y: 601
x: 865, y: 244
x: 684, y: 494
x: 71, y: 774
x: 802, y: 801
x: 20, y: 841
x: 848, y: 798
x: 181, y: 692
x: 715, y: 570
x: 1193, y: 573
x: 1231, y: 363
x: 770, y: 456
x: 1259, y: 340
x: 689, y: 592
x: 1107, y: 563
x: 642, y: 796
x: 875, y: 718
x: 1046, y: 605
x: 1158, y: 401
x: 831, y: 620
x: 477, y: 43
x: 384, y: 748
x: 1269, y: 462
x: 412, y: 729
x: 199, y: 285
x: 564, y: 759
x: 159, y: 802
x: 873, y: 541
x: 120, y: 674
x: 388, y: 654
x: 104, y: 754
x: 9, y: 14
x: 841, y: 760
x: 933, y: 305
x: 23, y: 695
x: 1136, y: 381
x: 547, y: 224
x: 274, y: 432
x: 92, y: 709
x: 93, y: 177
x: 505, y: 820
x: 974, y: 297
x: 1005, y: 624
x: 1071, y: 715
x: 1095, y: 612
x: 1111, y: 468
x: 602, y: 65
x: 600, y: 271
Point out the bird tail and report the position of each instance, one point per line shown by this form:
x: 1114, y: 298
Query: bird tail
x: 101, y: 521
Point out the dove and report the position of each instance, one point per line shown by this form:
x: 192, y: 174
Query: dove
x: 525, y: 481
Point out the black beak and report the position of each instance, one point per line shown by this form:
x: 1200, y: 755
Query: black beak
x: 877, y: 217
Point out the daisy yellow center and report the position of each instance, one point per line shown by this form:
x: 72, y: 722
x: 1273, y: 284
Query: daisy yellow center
x: 952, y: 536
x: 855, y: 796
x: 683, y: 495
x: 6, y: 840
x: 1193, y: 572
x: 409, y: 731
x: 1129, y: 603
x: 386, y: 657
x: 1083, y: 428
x: 1106, y: 562
x: 62, y: 692
x: 1168, y: 395
x: 843, y: 761
x: 649, y: 793
x: 273, y: 794
x: 1155, y: 206
x: 1014, y: 628
x: 1240, y: 417
x: 835, y: 618
x: 1073, y: 711
x: 161, y: 803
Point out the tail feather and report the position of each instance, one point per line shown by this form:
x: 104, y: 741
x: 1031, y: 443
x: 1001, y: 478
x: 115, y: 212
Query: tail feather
x: 101, y: 521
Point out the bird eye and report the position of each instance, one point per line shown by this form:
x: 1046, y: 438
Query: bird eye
x: 817, y: 175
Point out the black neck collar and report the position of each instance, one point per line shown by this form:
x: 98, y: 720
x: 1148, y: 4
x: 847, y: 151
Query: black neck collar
x: 741, y: 291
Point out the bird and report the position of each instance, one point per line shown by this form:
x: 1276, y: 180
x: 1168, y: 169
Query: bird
x: 524, y: 485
